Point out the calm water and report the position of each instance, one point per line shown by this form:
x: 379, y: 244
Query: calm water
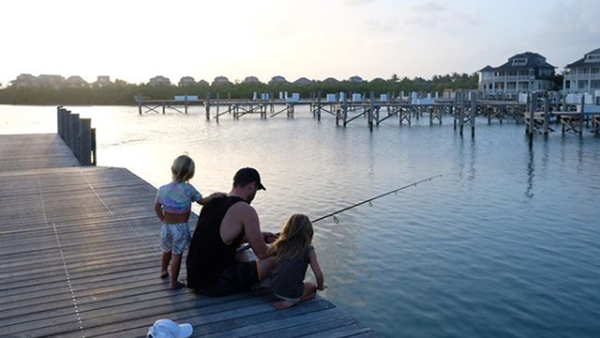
x: 505, y: 244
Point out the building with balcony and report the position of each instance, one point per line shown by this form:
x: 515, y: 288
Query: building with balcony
x: 526, y: 72
x: 583, y: 75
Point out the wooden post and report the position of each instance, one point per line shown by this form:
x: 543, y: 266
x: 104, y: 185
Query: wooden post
x: 546, y: 115
x: 582, y: 116
x: 64, y: 121
x: 74, y: 139
x: 455, y: 108
x: 218, y: 105
x: 139, y: 102
x: 85, y: 150
x: 94, y: 151
x: 344, y: 110
x: 59, y: 126
x: 207, y: 106
x: 319, y: 106
x: 186, y: 103
x: 462, y: 113
x: 473, y: 112
x: 164, y: 107
x: 371, y: 106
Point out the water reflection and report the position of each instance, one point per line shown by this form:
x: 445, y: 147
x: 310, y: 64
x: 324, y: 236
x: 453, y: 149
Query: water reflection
x: 530, y: 171
x: 466, y: 158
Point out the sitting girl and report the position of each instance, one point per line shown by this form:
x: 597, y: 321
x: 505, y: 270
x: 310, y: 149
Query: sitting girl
x: 293, y: 252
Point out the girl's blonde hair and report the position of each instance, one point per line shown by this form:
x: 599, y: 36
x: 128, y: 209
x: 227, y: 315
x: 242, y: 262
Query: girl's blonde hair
x: 295, y: 237
x: 183, y: 169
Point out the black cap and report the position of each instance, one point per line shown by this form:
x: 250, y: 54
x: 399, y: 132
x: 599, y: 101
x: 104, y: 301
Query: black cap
x: 246, y: 176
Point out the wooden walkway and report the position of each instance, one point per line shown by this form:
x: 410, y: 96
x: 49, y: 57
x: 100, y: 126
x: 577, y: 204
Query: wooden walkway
x: 80, y: 258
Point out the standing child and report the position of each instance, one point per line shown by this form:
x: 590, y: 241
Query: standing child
x: 173, y: 204
x: 293, y: 252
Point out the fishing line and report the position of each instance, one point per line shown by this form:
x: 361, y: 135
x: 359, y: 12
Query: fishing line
x: 370, y: 200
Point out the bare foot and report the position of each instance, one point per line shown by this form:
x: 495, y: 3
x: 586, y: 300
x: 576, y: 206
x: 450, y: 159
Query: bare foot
x: 178, y: 285
x: 282, y: 305
x: 164, y: 274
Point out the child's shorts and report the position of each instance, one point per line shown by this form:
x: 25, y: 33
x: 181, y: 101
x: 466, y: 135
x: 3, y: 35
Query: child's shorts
x: 174, y: 238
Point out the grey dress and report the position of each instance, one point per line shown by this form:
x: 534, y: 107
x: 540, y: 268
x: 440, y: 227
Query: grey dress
x: 287, y: 279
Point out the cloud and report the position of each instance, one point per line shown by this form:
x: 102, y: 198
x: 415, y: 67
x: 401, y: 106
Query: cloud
x: 433, y: 14
x: 568, y: 31
x: 575, y: 23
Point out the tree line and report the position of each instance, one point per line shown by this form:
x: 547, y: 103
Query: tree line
x: 122, y: 93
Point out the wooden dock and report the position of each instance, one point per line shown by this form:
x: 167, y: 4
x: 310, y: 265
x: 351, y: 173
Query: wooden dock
x: 80, y: 258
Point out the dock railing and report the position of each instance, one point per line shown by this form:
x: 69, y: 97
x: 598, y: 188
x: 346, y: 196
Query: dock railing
x: 78, y: 135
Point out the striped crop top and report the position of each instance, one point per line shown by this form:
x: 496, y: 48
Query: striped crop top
x: 177, y: 197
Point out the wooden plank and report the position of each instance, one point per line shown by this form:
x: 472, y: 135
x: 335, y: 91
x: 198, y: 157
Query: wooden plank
x: 93, y: 269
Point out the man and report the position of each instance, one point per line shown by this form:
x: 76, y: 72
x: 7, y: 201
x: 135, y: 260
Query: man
x: 212, y: 266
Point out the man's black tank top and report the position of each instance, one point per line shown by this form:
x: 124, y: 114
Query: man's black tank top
x: 208, y: 256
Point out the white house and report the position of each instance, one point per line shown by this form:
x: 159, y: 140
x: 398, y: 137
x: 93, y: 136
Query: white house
x: 525, y: 72
x: 583, y: 75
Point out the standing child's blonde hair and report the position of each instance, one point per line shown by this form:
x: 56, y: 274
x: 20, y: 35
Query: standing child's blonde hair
x: 295, y: 237
x: 183, y: 169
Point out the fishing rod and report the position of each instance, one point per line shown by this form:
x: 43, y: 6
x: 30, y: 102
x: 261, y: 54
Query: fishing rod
x: 414, y: 184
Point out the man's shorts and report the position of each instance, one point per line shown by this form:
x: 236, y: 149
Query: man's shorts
x: 174, y: 238
x: 236, y: 278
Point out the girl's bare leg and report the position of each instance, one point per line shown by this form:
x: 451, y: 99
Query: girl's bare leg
x: 310, y: 290
x: 166, y: 258
x: 175, y: 266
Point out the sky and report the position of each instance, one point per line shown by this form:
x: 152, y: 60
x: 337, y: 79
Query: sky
x: 136, y: 40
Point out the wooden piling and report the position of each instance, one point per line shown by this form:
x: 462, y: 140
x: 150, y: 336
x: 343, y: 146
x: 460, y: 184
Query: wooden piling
x: 207, y: 106
x: 85, y: 149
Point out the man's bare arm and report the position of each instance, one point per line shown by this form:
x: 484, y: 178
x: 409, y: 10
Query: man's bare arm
x: 254, y: 236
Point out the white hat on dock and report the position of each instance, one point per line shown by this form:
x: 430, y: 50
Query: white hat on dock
x: 166, y: 328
